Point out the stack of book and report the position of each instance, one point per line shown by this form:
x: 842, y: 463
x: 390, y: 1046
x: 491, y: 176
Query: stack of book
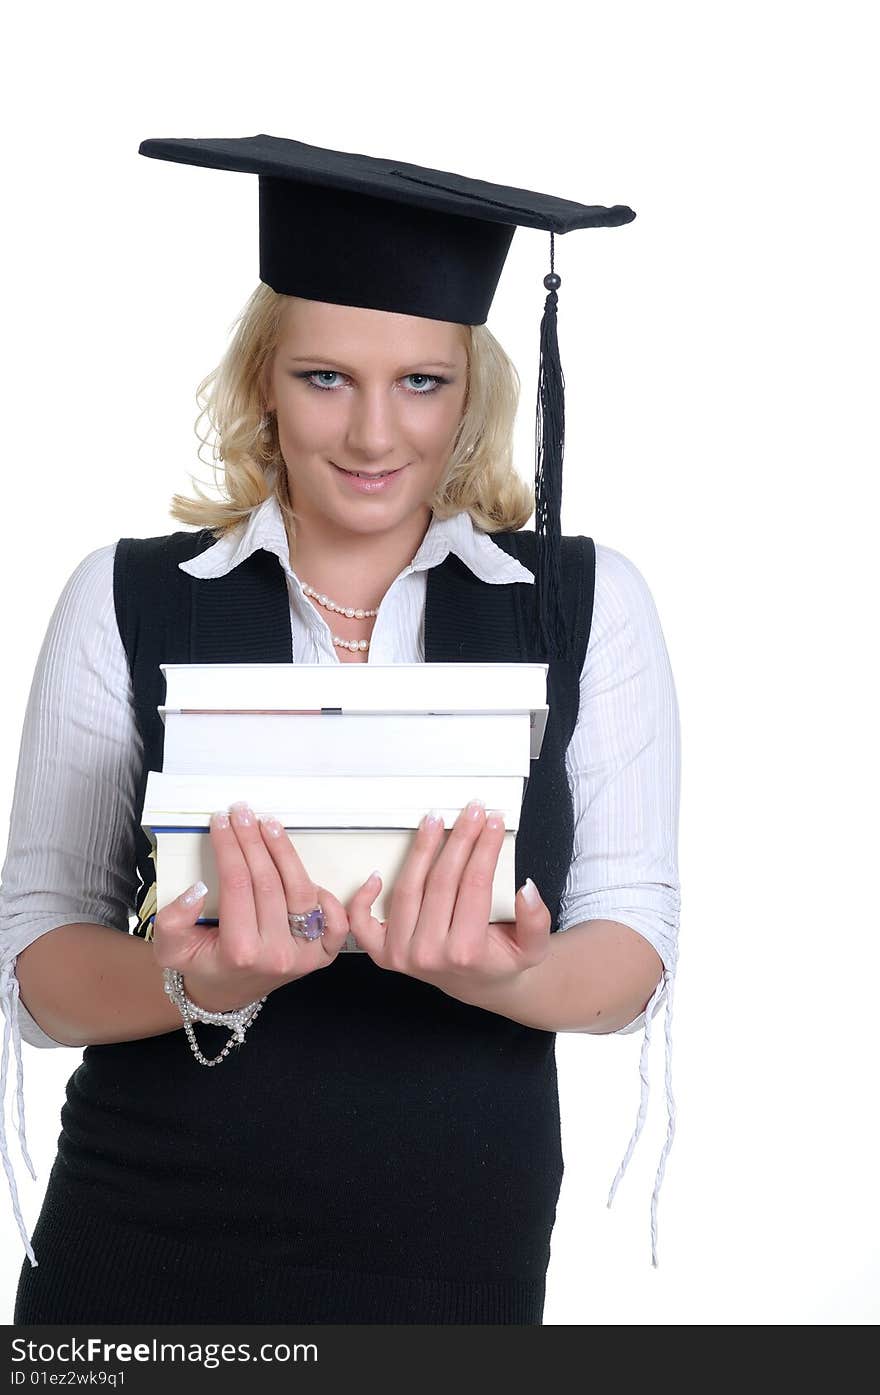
x: 349, y: 758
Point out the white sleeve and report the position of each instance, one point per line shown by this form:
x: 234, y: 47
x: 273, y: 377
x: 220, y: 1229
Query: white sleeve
x: 71, y: 854
x: 624, y: 770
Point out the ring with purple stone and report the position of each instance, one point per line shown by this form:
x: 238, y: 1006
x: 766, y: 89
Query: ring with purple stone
x: 309, y: 925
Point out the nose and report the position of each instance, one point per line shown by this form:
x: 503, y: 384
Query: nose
x: 372, y: 424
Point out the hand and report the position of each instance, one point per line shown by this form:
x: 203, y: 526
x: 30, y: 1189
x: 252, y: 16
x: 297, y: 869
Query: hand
x: 251, y: 951
x: 438, y: 929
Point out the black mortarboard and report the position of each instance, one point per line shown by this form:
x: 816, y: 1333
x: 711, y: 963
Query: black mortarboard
x: 358, y: 230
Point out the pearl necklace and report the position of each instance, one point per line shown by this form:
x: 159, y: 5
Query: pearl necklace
x: 353, y: 612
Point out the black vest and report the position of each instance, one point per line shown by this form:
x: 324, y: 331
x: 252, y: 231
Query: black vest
x: 167, y: 616
x: 370, y: 1124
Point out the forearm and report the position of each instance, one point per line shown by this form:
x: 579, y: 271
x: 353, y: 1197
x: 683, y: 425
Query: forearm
x: 89, y: 985
x: 596, y: 977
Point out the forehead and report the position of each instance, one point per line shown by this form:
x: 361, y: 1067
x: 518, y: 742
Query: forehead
x: 319, y: 327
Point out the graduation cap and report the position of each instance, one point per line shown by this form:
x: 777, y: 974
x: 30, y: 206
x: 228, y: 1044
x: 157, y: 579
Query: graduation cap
x: 386, y: 235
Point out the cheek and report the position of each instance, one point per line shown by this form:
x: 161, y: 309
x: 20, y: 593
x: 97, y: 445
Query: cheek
x: 307, y: 425
x: 435, y: 424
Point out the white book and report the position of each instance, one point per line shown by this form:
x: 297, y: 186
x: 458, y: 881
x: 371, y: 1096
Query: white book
x: 353, y: 743
x: 390, y: 688
x: 342, y: 826
x: 339, y: 859
x: 311, y: 801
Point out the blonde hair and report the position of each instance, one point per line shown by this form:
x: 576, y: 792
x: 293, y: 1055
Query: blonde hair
x: 480, y: 476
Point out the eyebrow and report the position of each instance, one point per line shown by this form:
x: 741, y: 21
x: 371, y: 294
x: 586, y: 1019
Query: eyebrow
x: 319, y: 358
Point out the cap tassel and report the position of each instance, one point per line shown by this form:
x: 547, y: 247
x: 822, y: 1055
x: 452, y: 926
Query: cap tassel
x: 551, y: 621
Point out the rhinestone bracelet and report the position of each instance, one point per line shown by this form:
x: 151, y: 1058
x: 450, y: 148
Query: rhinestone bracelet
x: 239, y: 1019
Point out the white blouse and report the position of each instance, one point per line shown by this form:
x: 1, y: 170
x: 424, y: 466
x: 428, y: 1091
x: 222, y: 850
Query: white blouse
x: 71, y: 851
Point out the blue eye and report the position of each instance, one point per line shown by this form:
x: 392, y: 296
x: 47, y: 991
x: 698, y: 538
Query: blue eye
x: 434, y: 379
x: 319, y: 373
x: 428, y: 378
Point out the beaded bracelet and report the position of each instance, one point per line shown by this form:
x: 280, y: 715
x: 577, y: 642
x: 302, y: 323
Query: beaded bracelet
x: 239, y: 1019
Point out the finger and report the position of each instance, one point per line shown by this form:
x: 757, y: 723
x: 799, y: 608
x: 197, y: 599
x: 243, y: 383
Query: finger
x: 409, y: 884
x: 268, y: 889
x: 369, y: 932
x: 473, y: 906
x: 336, y: 923
x: 173, y: 924
x: 300, y: 893
x: 533, y: 920
x: 440, y: 891
x: 239, y: 937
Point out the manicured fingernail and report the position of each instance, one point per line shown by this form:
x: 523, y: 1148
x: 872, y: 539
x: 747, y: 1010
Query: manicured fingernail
x: 495, y: 818
x: 432, y: 819
x: 220, y: 819
x: 475, y: 809
x: 195, y: 893
x: 375, y: 876
x: 272, y: 827
x: 241, y: 812
x: 530, y: 892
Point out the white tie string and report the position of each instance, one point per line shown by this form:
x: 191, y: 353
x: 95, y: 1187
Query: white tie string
x: 9, y: 995
x: 667, y: 981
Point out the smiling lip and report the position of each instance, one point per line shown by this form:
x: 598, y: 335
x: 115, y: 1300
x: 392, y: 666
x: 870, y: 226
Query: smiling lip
x: 369, y: 484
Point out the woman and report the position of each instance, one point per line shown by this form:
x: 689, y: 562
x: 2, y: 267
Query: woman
x: 385, y: 1147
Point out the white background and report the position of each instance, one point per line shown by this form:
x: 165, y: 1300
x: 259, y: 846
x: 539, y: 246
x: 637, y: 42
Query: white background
x: 720, y: 356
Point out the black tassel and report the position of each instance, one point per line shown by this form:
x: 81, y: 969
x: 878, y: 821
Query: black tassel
x: 551, y: 621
